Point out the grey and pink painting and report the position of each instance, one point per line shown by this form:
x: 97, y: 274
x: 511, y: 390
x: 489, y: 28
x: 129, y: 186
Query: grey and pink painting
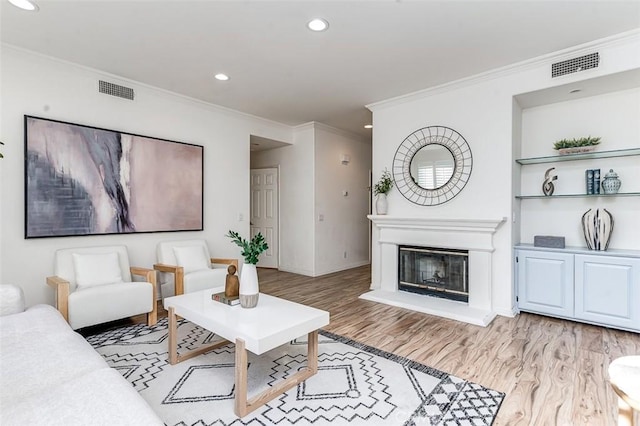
x: 83, y: 180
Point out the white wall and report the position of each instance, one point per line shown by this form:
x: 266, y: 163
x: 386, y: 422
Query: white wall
x: 311, y: 183
x: 41, y: 86
x: 342, y: 237
x: 295, y: 163
x: 481, y: 109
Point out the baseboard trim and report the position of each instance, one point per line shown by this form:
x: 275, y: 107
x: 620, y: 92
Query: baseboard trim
x: 342, y: 268
x: 304, y: 272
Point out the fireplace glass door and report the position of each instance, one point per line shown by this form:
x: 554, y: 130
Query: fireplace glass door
x: 434, y: 272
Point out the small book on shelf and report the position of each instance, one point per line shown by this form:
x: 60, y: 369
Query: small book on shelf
x: 220, y: 297
x: 596, y: 181
x: 589, y: 181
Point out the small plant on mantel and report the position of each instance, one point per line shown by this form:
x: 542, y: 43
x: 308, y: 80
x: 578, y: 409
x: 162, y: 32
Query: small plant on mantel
x: 577, y: 143
x: 385, y: 183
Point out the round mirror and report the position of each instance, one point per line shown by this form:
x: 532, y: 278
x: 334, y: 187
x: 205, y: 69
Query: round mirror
x: 432, y: 166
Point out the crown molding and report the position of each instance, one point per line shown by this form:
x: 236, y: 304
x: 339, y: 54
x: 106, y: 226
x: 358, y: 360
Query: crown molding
x: 627, y: 37
x: 177, y: 96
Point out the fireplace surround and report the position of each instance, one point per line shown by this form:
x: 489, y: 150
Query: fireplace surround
x: 473, y: 235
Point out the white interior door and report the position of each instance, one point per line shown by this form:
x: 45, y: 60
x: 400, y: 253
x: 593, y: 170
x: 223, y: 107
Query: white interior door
x: 264, y: 212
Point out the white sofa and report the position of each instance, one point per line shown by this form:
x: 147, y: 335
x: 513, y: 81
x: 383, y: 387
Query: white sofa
x: 50, y: 375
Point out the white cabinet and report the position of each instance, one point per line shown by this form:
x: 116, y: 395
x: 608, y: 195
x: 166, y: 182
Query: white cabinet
x: 596, y: 287
x: 545, y: 282
x: 608, y: 290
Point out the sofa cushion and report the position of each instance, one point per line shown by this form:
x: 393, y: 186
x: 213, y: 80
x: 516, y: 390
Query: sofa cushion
x: 192, y: 258
x: 94, y: 269
x: 39, y: 351
x: 11, y: 299
x: 100, y: 397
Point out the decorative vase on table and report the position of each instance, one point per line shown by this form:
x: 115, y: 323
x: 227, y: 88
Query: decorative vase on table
x: 251, y: 250
x: 381, y: 204
x: 249, y: 287
x: 597, y: 226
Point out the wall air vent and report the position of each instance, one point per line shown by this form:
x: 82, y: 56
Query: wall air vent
x: 115, y: 90
x: 574, y: 65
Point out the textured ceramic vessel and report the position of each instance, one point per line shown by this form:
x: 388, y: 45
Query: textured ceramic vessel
x: 381, y: 204
x: 611, y: 183
x: 249, y: 289
x: 597, y: 226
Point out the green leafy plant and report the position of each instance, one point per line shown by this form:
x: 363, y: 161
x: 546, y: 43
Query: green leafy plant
x: 385, y: 183
x: 576, y: 142
x: 250, y: 249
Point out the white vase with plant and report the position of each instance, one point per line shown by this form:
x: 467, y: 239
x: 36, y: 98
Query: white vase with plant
x: 381, y: 189
x: 251, y: 250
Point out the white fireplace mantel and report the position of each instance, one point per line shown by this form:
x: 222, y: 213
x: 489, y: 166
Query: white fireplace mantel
x: 474, y: 235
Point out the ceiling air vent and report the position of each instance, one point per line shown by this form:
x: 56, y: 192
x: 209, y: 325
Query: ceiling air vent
x: 115, y: 90
x: 574, y: 65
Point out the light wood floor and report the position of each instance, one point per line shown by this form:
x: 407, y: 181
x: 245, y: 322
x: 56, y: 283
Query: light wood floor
x: 554, y: 372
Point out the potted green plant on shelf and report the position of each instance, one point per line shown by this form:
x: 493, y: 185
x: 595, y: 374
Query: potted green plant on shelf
x: 381, y: 189
x: 251, y: 251
x: 576, y: 145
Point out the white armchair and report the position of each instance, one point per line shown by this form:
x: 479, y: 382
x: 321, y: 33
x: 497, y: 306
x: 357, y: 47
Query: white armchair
x: 187, y: 267
x: 94, y: 285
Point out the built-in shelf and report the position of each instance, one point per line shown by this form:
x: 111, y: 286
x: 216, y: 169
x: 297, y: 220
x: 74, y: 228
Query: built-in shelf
x: 619, y: 194
x: 581, y: 156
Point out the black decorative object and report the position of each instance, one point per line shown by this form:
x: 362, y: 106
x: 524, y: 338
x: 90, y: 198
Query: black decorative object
x: 547, y: 185
x: 447, y: 180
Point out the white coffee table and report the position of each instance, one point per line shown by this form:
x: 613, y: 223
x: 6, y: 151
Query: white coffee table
x: 272, y: 323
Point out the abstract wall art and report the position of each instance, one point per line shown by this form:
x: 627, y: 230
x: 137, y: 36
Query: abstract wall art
x: 82, y: 180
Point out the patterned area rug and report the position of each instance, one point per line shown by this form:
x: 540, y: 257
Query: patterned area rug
x: 355, y: 384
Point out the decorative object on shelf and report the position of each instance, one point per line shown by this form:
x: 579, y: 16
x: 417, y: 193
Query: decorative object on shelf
x: 232, y: 283
x: 381, y: 189
x: 576, y: 145
x: 432, y: 165
x: 251, y: 250
x: 592, y: 181
x: 611, y: 183
x: 548, y: 241
x: 597, y: 226
x: 547, y: 185
x: 1, y: 156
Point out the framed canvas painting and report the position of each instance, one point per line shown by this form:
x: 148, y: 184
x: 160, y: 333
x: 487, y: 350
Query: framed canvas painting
x: 82, y: 180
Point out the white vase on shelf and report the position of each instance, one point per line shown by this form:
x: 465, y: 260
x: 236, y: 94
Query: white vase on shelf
x: 381, y: 204
x: 249, y: 288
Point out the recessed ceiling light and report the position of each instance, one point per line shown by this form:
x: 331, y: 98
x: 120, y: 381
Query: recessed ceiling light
x: 576, y: 91
x: 25, y: 5
x: 368, y: 126
x: 317, y: 24
x: 221, y: 77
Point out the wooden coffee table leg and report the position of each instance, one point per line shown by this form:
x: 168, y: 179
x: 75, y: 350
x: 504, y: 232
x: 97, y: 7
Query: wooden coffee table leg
x: 173, y: 334
x: 244, y: 407
x: 174, y: 358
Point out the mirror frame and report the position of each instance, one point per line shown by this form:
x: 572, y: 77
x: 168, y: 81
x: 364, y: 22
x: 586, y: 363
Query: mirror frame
x: 462, y: 159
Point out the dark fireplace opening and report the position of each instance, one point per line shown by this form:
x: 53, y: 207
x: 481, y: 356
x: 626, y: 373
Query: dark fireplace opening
x: 434, y: 272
